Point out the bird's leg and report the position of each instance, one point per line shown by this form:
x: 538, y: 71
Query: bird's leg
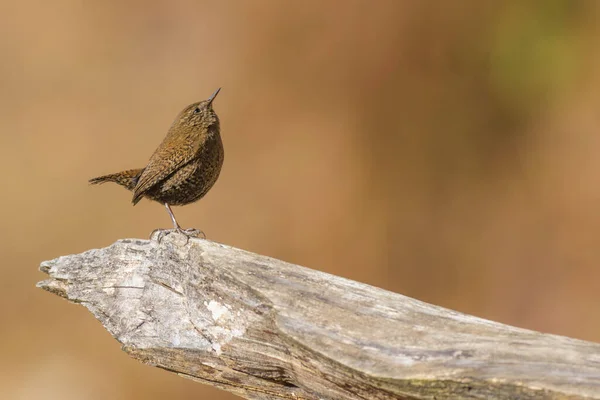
x: 176, y: 228
x: 175, y: 224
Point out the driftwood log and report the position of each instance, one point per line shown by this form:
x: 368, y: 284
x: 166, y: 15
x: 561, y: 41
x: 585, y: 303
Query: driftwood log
x: 265, y: 329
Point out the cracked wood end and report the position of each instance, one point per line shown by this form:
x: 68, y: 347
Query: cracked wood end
x: 265, y: 329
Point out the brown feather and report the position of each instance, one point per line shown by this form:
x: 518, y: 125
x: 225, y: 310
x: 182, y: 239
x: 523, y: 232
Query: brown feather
x: 128, y: 179
x: 185, y: 165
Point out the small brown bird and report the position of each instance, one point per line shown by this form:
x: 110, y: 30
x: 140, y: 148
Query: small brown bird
x: 185, y: 165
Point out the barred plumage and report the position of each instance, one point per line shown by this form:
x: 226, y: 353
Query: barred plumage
x: 185, y: 165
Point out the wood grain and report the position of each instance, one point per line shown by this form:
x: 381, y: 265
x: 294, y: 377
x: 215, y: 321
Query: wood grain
x: 266, y: 329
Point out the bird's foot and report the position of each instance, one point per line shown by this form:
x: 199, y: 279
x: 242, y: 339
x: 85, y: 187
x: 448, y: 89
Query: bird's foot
x: 160, y: 234
x: 192, y: 232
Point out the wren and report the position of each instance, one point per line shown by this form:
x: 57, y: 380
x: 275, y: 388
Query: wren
x: 184, y: 167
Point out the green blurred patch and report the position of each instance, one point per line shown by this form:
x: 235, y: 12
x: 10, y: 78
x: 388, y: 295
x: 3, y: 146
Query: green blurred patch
x: 535, y: 51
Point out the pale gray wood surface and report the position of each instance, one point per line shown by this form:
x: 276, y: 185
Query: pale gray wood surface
x: 266, y: 329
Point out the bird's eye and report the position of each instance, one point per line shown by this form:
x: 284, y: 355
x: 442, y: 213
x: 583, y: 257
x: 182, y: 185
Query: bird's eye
x: 197, y: 110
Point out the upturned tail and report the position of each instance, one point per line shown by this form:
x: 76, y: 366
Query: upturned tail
x: 128, y: 179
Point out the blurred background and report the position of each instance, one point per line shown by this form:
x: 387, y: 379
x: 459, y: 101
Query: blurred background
x: 448, y: 151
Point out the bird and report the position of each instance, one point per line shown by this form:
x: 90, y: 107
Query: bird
x: 183, y: 168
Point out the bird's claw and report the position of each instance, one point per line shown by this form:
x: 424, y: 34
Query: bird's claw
x: 190, y: 232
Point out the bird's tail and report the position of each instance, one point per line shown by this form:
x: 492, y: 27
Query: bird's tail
x: 128, y: 179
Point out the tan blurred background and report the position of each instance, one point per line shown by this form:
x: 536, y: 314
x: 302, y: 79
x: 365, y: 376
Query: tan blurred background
x: 448, y: 151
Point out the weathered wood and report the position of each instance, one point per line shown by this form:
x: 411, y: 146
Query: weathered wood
x: 266, y: 329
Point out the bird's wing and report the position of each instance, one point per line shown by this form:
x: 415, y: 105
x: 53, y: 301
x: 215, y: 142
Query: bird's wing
x: 167, y: 159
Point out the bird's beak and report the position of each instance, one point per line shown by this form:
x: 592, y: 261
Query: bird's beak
x: 212, y: 97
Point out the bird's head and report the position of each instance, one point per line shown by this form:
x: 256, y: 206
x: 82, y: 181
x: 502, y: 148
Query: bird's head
x: 198, y: 115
